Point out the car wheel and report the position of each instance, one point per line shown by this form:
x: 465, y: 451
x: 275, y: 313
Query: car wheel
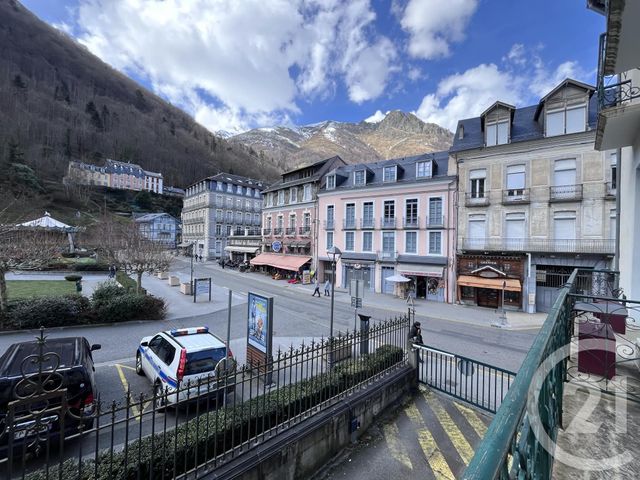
x: 139, y: 369
x: 159, y: 395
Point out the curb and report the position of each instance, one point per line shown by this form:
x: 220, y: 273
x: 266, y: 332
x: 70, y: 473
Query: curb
x: 65, y: 327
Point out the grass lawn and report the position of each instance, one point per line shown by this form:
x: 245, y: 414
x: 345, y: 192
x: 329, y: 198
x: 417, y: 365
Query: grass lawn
x: 37, y: 288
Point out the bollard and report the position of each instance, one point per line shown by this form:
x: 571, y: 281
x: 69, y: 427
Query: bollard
x: 364, y: 333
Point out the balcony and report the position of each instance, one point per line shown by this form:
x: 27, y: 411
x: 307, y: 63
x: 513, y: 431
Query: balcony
x: 514, y: 196
x: 191, y: 221
x: 304, y: 231
x: 387, y: 256
x: 290, y: 232
x: 266, y: 232
x: 476, y: 199
x: 349, y: 224
x: 367, y: 223
x: 610, y: 190
x: 411, y: 223
x: 435, y: 221
x: 278, y: 232
x: 601, y: 246
x: 388, y: 222
x: 329, y: 224
x: 565, y: 193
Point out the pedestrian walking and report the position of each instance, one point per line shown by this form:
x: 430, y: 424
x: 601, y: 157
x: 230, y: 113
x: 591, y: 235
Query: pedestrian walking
x: 317, y: 289
x: 415, y: 333
x: 327, y: 288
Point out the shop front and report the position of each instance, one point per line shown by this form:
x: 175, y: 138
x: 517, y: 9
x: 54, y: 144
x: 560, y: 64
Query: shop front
x: 427, y: 281
x: 280, y: 266
x: 356, y: 266
x: 490, y: 281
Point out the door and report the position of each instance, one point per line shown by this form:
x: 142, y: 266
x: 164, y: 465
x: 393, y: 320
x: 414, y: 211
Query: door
x: 487, y: 297
x: 387, y: 287
x: 421, y: 287
x: 434, y: 291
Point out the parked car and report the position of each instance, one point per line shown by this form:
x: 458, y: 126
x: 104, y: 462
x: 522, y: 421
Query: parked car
x: 176, y: 361
x: 69, y: 371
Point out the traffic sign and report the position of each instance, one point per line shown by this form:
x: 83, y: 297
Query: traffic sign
x: 356, y: 302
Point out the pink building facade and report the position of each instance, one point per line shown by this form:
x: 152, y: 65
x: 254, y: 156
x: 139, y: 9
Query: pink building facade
x: 394, y: 217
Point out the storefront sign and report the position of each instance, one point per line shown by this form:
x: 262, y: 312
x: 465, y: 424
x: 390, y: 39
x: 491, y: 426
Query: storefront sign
x: 276, y: 246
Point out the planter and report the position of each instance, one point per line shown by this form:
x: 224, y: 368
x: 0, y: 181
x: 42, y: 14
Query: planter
x: 174, y: 281
x: 185, y: 288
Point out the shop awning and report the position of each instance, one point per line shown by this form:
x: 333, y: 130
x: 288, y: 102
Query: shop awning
x: 420, y: 270
x: 239, y: 249
x: 286, y: 262
x: 511, y: 284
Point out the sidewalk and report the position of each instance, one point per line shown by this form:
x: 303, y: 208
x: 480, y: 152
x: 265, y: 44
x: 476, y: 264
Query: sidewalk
x: 464, y: 314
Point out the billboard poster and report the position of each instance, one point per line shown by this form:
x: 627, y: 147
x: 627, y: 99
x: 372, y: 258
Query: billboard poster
x: 259, y: 322
x: 306, y: 277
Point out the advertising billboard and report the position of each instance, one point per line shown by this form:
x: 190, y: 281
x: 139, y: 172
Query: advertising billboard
x: 259, y: 322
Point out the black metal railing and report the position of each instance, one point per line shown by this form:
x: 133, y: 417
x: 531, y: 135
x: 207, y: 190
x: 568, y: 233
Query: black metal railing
x: 411, y: 222
x: 215, y: 419
x: 290, y: 231
x: 578, y: 245
x: 278, y: 231
x: 475, y: 382
x: 266, y: 231
x: 565, y: 193
x: 305, y: 231
x: 610, y: 189
x: 388, y: 222
x: 435, y: 221
x: 349, y: 223
x: 612, y: 92
x: 515, y: 195
x: 476, y: 199
x: 367, y: 223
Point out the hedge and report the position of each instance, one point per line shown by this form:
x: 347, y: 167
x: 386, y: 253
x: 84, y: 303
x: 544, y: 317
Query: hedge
x: 210, y: 433
x: 128, y: 283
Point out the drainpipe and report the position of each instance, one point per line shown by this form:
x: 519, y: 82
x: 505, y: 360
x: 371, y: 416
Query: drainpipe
x: 616, y: 257
x: 528, y: 308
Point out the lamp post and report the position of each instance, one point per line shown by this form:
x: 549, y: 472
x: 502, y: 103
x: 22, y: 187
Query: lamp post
x: 334, y: 253
x: 192, y: 247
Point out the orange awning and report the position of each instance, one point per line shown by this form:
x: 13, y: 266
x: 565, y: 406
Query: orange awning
x: 286, y: 262
x: 511, y: 284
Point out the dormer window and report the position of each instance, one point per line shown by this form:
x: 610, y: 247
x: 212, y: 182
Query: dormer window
x: 572, y: 119
x: 293, y: 195
x: 359, y: 178
x: 281, y: 197
x: 497, y: 133
x: 331, y: 182
x: 230, y: 188
x: 389, y: 174
x: 423, y: 169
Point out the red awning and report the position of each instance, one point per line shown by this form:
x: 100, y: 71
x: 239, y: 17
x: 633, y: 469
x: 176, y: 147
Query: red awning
x: 286, y: 262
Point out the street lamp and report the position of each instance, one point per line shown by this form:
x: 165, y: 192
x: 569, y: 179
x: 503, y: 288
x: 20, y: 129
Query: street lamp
x: 334, y: 253
x: 192, y: 247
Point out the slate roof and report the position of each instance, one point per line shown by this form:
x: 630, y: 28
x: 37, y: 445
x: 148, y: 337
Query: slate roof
x: 150, y: 217
x: 238, y: 180
x: 406, y: 172
x: 320, y: 169
x: 524, y: 127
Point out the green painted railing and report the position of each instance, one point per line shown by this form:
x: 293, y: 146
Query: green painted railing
x: 516, y: 445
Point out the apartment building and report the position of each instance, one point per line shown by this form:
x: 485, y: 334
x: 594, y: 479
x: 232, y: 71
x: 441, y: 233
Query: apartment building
x: 159, y: 227
x: 619, y: 125
x: 535, y: 199
x: 289, y: 217
x: 114, y: 174
x: 215, y: 207
x: 391, y: 217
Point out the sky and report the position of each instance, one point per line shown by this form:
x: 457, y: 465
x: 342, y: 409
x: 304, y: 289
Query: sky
x: 240, y: 64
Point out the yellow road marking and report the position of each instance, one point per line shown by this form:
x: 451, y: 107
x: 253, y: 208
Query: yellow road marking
x: 391, y: 434
x: 473, y: 419
x: 451, y: 429
x: 437, y: 462
x: 137, y: 413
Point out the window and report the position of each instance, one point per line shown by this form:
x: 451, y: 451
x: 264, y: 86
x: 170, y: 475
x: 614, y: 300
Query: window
x: 229, y: 202
x: 411, y: 242
x: 367, y: 241
x: 389, y: 174
x: 280, y: 222
x: 564, y: 172
x: 247, y: 205
x: 331, y: 182
x: 367, y: 213
x: 435, y: 211
x: 281, y: 197
x: 269, y: 223
x: 477, y: 183
x: 476, y: 231
x: 411, y: 211
x: 359, y: 177
x: 293, y: 195
x: 435, y: 243
x: 229, y: 216
x: 247, y: 218
x: 228, y: 230
x: 329, y: 240
x: 569, y: 120
x: 256, y: 218
x: 307, y: 192
x: 229, y: 188
x: 219, y: 216
x: 218, y: 229
x: 349, y: 241
x: 612, y: 224
x: 330, y: 210
x: 292, y: 221
x: 515, y: 230
x: 564, y: 230
x: 239, y: 204
x: 614, y: 171
x: 423, y: 169
x: 306, y: 220
x: 219, y: 200
x: 388, y: 242
x: 389, y: 209
x: 515, y: 180
x: 497, y: 133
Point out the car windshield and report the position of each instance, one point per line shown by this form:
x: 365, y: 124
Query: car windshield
x: 203, y: 361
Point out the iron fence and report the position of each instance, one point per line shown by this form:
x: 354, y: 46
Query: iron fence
x: 190, y: 431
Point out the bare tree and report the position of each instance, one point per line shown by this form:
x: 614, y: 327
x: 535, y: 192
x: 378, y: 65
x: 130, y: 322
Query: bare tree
x: 25, y: 248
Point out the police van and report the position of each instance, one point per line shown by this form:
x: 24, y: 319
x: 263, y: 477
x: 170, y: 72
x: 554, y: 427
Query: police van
x: 186, y: 363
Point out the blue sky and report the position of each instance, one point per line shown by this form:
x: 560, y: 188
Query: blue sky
x: 236, y: 65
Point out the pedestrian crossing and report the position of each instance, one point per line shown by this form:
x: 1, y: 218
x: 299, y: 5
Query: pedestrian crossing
x: 433, y: 437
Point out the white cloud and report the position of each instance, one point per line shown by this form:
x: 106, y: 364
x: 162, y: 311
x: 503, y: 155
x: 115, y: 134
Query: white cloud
x: 376, y: 117
x: 516, y: 54
x: 235, y: 62
x: 544, y: 80
x: 434, y: 24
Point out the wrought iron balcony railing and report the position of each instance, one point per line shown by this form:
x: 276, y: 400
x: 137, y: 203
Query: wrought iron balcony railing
x: 367, y: 223
x: 435, y: 221
x: 611, y: 92
x: 388, y: 222
x: 515, y: 195
x: 290, y: 231
x: 476, y: 199
x: 411, y: 222
x: 581, y: 245
x: 387, y: 256
x: 329, y: 224
x: 304, y: 231
x: 610, y: 189
x: 266, y: 232
x: 278, y: 232
x: 565, y: 193
x: 349, y: 223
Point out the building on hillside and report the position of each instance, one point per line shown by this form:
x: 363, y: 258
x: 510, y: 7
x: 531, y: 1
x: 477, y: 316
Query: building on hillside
x: 535, y: 199
x: 618, y: 126
x: 214, y: 207
x: 393, y: 217
x: 114, y: 174
x: 159, y: 227
x: 153, y: 182
x: 289, y: 217
x: 86, y: 174
x: 173, y: 192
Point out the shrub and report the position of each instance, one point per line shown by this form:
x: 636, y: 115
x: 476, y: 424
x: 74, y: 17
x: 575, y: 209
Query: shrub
x: 128, y: 283
x: 72, y: 278
x: 105, y: 292
x: 49, y: 312
x: 67, y: 255
x: 129, y: 306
